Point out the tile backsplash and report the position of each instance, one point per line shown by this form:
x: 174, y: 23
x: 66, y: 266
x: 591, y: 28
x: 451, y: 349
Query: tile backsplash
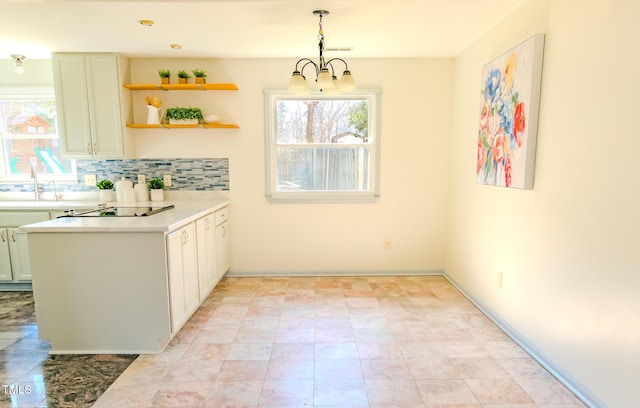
x: 186, y: 174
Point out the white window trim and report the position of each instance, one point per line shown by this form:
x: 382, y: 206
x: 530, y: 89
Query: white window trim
x: 33, y: 93
x: 274, y: 196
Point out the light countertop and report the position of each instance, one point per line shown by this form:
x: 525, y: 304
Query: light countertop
x: 185, y: 211
x: 46, y: 205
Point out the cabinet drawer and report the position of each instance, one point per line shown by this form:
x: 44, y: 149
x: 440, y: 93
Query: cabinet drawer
x: 16, y: 219
x: 222, y: 215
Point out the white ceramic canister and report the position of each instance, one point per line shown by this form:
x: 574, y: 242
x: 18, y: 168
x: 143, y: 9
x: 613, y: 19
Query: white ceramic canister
x: 121, y: 186
x: 129, y: 195
x: 142, y: 192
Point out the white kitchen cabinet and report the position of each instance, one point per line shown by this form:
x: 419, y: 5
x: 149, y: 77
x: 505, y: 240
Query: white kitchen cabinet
x: 5, y: 260
x: 222, y: 241
x: 183, y: 275
x: 18, y: 251
x: 14, y: 262
x: 90, y: 105
x: 207, y: 256
x: 117, y: 285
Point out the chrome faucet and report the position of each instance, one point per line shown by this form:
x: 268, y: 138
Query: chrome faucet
x: 34, y: 176
x: 56, y: 196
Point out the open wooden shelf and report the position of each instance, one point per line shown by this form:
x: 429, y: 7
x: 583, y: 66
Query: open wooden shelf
x: 168, y: 126
x: 182, y: 87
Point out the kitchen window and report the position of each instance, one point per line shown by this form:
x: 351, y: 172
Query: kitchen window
x: 322, y: 147
x: 29, y: 133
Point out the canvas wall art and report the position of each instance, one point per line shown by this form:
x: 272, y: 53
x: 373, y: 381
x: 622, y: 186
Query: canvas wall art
x: 509, y: 102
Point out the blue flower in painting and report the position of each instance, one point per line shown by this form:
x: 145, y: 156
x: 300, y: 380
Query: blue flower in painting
x: 493, y: 84
x: 506, y: 121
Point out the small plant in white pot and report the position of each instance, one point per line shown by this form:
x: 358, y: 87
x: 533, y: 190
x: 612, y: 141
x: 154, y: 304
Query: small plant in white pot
x: 156, y: 186
x: 106, y: 189
x: 183, y: 116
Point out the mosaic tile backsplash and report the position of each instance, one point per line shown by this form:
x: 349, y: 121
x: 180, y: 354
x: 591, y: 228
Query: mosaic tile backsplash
x: 186, y: 174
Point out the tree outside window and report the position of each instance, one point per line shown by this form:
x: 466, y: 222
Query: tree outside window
x: 29, y: 133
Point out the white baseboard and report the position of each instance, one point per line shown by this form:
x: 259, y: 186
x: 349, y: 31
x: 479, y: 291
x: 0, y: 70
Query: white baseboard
x: 394, y: 272
x: 561, y: 375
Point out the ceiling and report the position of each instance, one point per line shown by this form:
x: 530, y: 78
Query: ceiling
x: 247, y: 29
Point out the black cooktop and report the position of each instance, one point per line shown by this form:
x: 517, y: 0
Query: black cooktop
x: 117, y: 211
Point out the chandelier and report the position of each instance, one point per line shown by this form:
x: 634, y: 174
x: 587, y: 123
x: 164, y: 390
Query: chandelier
x: 325, y: 73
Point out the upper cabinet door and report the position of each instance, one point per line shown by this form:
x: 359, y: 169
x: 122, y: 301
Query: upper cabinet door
x: 104, y: 105
x: 89, y: 104
x: 73, y: 104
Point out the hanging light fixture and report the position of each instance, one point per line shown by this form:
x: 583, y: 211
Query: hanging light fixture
x: 18, y: 59
x: 325, y: 73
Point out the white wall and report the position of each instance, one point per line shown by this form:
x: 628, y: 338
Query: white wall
x: 323, y: 238
x: 37, y: 72
x: 568, y: 249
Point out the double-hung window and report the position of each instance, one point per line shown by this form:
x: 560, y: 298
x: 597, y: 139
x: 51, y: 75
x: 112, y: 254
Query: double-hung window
x: 322, y: 147
x: 29, y: 136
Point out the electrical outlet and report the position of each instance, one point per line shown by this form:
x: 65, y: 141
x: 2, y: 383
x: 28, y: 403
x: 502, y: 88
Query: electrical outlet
x: 167, y: 180
x: 142, y: 179
x: 499, y: 281
x: 388, y: 245
x: 90, y: 180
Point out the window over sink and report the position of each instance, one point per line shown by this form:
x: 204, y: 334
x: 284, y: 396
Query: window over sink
x: 29, y: 133
x: 322, y: 147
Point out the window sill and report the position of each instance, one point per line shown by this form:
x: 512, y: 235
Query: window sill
x: 306, y: 198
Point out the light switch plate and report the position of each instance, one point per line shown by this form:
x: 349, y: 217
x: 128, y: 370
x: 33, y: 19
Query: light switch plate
x: 90, y: 180
x: 167, y: 180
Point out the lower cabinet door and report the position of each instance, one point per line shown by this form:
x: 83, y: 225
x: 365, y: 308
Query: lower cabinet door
x: 5, y: 260
x: 222, y: 248
x: 207, y: 263
x: 19, y: 249
x: 183, y: 275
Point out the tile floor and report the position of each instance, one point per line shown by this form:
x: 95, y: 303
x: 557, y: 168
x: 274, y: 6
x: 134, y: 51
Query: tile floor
x: 30, y: 378
x: 346, y: 342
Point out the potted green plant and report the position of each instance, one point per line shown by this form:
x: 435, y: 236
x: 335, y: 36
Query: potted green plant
x: 106, y: 189
x: 183, y: 76
x: 186, y: 116
x: 164, y: 74
x: 156, y: 186
x: 200, y: 75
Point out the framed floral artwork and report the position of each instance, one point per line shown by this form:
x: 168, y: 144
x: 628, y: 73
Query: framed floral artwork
x: 509, y: 103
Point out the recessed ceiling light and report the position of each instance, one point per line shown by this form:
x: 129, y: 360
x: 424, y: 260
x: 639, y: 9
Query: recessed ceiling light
x: 147, y: 23
x: 175, y: 46
x: 343, y: 49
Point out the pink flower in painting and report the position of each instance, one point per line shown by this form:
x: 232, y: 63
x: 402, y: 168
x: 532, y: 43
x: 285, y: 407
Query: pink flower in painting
x: 482, y: 156
x: 484, y: 117
x: 519, y: 123
x: 498, y: 147
x: 507, y: 172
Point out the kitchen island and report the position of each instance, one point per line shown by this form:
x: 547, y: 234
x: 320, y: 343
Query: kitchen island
x: 125, y: 284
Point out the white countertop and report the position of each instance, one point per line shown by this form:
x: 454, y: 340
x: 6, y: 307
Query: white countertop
x: 46, y: 205
x: 185, y: 211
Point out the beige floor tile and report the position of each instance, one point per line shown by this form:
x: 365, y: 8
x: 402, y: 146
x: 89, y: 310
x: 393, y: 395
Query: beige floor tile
x: 446, y: 392
x: 390, y: 392
x: 492, y: 391
x: 234, y: 394
x: 286, y: 394
x: 348, y: 342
